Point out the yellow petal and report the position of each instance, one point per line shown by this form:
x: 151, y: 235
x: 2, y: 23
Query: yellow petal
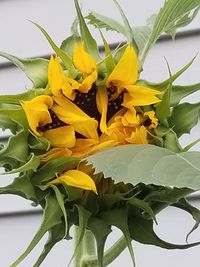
x: 126, y: 70
x: 61, y: 136
x: 140, y: 96
x: 77, y: 179
x: 87, y: 83
x: 71, y: 114
x: 102, y: 105
x: 37, y: 112
x: 83, y: 61
x: 130, y: 118
x: 59, y: 84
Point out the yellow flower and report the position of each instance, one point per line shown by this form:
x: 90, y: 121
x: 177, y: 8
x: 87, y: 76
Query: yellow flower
x: 77, y: 179
x: 154, y: 121
x: 37, y: 112
x: 124, y: 77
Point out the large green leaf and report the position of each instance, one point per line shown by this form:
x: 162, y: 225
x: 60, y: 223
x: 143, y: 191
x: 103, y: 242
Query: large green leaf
x: 50, y: 219
x: 35, y: 68
x: 149, y: 164
x: 184, y: 117
x: 174, y: 14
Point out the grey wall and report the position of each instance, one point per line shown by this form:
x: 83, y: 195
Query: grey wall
x: 20, y: 37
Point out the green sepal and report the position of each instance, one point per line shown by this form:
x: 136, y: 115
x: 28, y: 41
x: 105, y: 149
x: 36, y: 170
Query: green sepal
x: 69, y: 43
x: 100, y: 230
x: 18, y: 153
x: 184, y: 117
x: 83, y: 216
x: 35, y: 68
x: 72, y: 193
x: 49, y: 170
x: 194, y: 212
x: 21, y: 186
x: 38, y: 144
x: 32, y: 164
x: 143, y: 205
x: 28, y: 95
x: 67, y: 61
x: 56, y: 234
x: 109, y: 60
x: 118, y: 218
x: 127, y: 27
x: 15, y: 113
x: 61, y: 201
x: 50, y: 219
x: 89, y: 41
x: 7, y: 123
x: 171, y: 142
x: 141, y: 230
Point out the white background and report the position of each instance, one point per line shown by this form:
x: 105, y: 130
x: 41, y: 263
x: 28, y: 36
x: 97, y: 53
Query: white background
x: 18, y: 36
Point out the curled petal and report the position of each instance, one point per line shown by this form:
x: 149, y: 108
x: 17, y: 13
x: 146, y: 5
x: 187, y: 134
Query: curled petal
x: 139, y: 136
x: 140, y: 96
x: 71, y: 114
x: 126, y: 70
x: 37, y: 112
x: 87, y: 83
x: 151, y: 116
x: 61, y: 136
x: 130, y: 118
x: 77, y: 179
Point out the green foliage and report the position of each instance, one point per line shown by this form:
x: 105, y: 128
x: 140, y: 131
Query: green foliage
x: 149, y: 164
x: 35, y: 68
x: 184, y: 117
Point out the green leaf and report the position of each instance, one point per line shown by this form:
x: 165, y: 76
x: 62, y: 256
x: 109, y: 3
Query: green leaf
x: 35, y: 68
x: 50, y: 219
x: 38, y: 144
x: 56, y: 234
x: 21, y: 186
x: 167, y: 21
x: 74, y: 27
x: 184, y: 117
x: 63, y: 55
x: 118, y: 218
x: 51, y: 168
x: 142, y: 231
x: 89, y: 41
x: 179, y: 92
x: 149, y: 164
x: 103, y: 22
x: 101, y: 230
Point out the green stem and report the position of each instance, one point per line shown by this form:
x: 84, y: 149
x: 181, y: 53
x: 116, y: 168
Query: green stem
x: 110, y: 255
x: 88, y: 244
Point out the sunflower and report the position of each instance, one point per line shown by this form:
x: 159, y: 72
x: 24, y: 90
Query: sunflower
x: 79, y: 117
